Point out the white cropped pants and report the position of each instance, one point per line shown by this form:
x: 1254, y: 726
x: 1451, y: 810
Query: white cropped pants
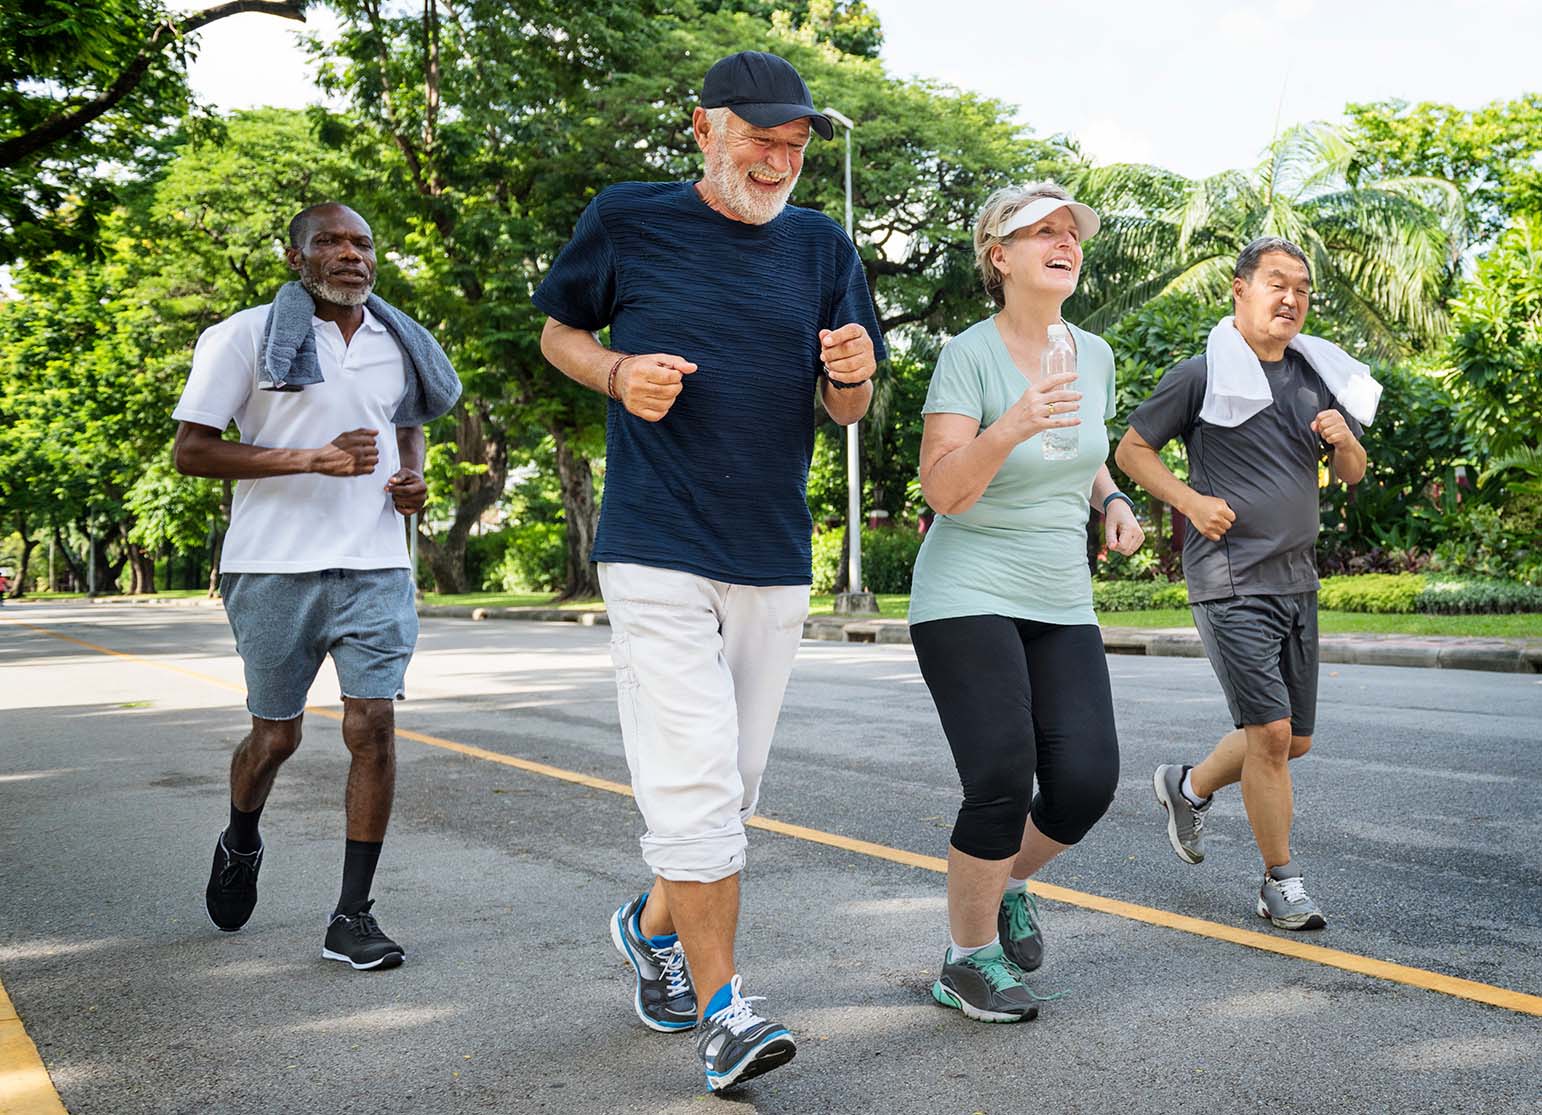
x: 701, y: 668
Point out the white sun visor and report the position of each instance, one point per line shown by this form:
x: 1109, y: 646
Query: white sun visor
x: 1087, y: 223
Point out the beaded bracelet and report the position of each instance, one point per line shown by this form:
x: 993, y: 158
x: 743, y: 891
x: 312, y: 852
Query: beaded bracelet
x: 610, y: 380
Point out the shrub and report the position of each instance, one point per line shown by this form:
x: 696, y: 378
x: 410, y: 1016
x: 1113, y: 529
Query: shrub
x: 1477, y: 596
x: 534, y: 558
x: 1134, y: 596
x: 1371, y: 592
x: 1496, y: 543
x: 888, y: 557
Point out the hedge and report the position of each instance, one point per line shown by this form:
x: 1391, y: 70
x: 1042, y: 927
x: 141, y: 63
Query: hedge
x: 888, y: 556
x: 1427, y: 593
x: 1134, y: 596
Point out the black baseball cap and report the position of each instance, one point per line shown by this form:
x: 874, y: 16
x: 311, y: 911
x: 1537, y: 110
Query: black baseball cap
x: 763, y: 89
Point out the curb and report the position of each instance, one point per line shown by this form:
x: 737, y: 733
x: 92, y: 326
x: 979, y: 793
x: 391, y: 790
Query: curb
x: 1431, y: 652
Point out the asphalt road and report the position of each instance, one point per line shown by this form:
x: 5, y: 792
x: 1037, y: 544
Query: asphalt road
x: 1417, y: 822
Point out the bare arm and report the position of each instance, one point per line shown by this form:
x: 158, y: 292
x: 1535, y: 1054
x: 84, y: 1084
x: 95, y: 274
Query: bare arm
x: 1211, y: 517
x: 1349, y: 461
x: 958, y: 460
x: 645, y: 384
x: 848, y: 357
x: 408, y: 488
x: 201, y: 451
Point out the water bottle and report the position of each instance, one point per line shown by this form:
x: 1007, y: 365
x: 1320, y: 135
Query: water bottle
x: 1060, y: 443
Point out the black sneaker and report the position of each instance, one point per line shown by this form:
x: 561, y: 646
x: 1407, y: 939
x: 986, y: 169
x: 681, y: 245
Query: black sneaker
x: 356, y: 939
x: 231, y: 895
x: 737, y: 1044
x: 1017, y: 922
x: 665, y: 1000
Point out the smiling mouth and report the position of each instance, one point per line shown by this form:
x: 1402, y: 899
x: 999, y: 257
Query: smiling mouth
x: 1059, y: 265
x: 349, y: 276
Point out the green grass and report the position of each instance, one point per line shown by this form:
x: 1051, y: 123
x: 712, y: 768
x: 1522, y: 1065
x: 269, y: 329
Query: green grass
x: 507, y: 600
x: 894, y: 607
x: 1518, y: 625
x: 168, y: 594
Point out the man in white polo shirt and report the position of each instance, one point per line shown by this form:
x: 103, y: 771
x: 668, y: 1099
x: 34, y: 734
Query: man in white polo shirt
x: 315, y: 563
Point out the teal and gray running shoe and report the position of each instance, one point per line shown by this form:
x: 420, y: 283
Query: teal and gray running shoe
x: 986, y: 986
x: 1018, y: 924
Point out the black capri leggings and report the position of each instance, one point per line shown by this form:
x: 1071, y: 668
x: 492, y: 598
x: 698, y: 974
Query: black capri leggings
x: 1018, y: 698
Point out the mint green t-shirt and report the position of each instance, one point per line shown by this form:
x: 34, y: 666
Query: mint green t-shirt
x: 1021, y: 549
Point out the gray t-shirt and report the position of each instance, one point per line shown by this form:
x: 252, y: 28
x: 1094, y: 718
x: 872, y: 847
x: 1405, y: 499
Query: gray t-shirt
x: 1266, y: 470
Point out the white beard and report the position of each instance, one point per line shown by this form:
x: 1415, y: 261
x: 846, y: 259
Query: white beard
x: 337, y: 295
x: 733, y: 190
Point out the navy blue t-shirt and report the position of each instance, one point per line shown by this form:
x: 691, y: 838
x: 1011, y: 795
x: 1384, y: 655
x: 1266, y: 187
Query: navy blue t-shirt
x: 717, y: 487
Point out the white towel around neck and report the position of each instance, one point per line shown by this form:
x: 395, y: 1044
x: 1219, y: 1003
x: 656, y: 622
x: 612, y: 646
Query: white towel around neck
x: 1236, y: 387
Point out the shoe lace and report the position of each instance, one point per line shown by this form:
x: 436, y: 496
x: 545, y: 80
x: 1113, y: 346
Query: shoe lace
x: 364, y: 923
x: 1022, y: 915
x: 998, y: 971
x: 1199, y: 822
x: 1292, y: 888
x: 239, y: 869
x: 737, y: 1016
x: 672, y: 960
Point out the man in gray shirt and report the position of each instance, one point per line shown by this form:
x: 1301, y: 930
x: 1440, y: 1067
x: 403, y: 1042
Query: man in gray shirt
x: 1250, y: 562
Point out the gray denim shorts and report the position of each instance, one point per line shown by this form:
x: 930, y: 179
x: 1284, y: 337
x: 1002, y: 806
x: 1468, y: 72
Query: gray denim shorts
x: 287, y: 623
x: 1264, y: 653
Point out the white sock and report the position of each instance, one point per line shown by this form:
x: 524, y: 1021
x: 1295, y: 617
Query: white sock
x: 1015, y: 885
x: 1188, y: 790
x: 957, y: 952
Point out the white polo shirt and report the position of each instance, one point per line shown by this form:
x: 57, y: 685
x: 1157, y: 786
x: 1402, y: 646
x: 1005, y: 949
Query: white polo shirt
x: 306, y: 522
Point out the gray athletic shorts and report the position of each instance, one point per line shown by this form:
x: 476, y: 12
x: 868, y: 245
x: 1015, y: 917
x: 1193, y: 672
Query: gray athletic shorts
x: 287, y: 623
x: 1264, y: 653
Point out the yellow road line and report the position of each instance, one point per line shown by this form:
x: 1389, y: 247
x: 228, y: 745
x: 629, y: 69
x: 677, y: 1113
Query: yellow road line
x: 25, y: 1088
x: 1295, y: 948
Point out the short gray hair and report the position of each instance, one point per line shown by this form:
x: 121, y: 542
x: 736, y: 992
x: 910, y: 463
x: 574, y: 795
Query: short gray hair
x: 997, y: 209
x: 1250, y: 256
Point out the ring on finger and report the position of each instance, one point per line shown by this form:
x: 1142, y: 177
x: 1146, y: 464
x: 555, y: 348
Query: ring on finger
x: 1051, y: 410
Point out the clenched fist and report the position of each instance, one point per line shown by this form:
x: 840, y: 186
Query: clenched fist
x: 355, y: 453
x: 1331, y: 427
x: 1212, y: 517
x: 647, y: 385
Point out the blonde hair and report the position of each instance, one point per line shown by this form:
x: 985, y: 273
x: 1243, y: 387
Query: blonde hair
x: 998, y: 208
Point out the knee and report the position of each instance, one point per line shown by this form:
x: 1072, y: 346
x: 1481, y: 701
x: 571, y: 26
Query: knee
x: 1270, y: 742
x: 1299, y: 746
x: 369, y: 729
x: 274, y: 741
x: 1074, y: 800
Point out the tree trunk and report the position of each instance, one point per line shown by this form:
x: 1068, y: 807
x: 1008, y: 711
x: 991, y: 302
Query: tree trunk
x: 574, y: 472
x: 28, y: 544
x: 77, y: 569
x: 141, y: 570
x: 478, y: 441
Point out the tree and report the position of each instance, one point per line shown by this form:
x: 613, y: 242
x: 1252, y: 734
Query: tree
x: 1381, y: 250
x: 84, y: 86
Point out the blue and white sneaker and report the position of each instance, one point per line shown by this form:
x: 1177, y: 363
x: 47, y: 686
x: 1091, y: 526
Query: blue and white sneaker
x: 737, y: 1044
x: 665, y: 999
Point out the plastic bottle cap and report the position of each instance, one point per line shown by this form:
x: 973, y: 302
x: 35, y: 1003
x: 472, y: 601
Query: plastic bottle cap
x: 1059, y: 330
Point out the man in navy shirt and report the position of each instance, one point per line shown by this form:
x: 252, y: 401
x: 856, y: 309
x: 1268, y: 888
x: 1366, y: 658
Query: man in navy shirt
x: 728, y: 311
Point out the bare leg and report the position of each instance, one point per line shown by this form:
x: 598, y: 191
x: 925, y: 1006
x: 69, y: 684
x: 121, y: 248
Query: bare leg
x: 1266, y: 789
x: 1221, y: 767
x: 655, y: 919
x: 974, y: 894
x: 369, y: 730
x: 1037, y: 850
x: 256, y: 761
x: 706, y: 915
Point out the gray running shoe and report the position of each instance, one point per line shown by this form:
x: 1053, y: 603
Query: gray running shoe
x: 1017, y: 922
x: 737, y: 1044
x: 986, y: 986
x: 1284, y: 901
x: 665, y: 1000
x: 1185, y: 821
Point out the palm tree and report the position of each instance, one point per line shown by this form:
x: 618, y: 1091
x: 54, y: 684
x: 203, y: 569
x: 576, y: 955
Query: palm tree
x: 1381, y: 251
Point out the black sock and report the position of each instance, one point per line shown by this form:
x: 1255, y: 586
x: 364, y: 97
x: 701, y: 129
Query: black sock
x: 242, y: 836
x: 359, y: 859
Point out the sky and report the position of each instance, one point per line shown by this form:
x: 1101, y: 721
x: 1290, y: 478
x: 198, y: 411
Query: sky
x: 1196, y: 86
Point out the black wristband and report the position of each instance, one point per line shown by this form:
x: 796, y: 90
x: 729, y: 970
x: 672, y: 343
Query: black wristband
x: 1117, y: 495
x: 840, y: 386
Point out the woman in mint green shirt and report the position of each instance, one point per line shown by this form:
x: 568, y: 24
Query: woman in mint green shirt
x: 1001, y: 598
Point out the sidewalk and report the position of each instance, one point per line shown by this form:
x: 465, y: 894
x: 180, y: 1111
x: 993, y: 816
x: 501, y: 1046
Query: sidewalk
x: 1448, y: 652
x: 1433, y: 652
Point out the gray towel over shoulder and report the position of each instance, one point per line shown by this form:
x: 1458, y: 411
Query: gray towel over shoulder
x: 289, y: 361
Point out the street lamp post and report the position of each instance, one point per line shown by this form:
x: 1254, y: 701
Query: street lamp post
x: 855, y: 600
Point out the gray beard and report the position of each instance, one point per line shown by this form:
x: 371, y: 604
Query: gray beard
x: 735, y: 193
x: 324, y: 291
